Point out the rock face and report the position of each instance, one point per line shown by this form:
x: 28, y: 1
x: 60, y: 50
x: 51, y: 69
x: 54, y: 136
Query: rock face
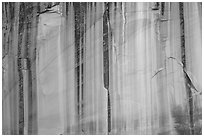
x: 102, y: 68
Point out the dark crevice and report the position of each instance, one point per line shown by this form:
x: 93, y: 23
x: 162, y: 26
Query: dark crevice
x: 77, y: 55
x: 183, y: 58
x: 106, y: 41
x: 162, y: 8
x: 20, y: 46
x: 80, y: 12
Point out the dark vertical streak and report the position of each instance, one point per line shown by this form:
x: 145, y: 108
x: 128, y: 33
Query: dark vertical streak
x: 83, y: 18
x: 23, y: 48
x: 80, y: 13
x: 10, y: 74
x: 82, y: 27
x: 23, y: 61
x: 13, y: 73
x: 162, y: 8
x: 20, y: 46
x: 32, y: 73
x: 183, y: 58
x: 106, y: 23
x: 77, y: 53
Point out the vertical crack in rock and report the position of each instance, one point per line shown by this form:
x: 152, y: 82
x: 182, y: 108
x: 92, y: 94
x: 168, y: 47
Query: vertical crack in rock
x: 183, y: 58
x: 80, y: 13
x: 20, y: 46
x: 162, y: 8
x: 82, y: 18
x: 77, y: 54
x: 106, y: 41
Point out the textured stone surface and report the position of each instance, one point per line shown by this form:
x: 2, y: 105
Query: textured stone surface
x: 101, y: 68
